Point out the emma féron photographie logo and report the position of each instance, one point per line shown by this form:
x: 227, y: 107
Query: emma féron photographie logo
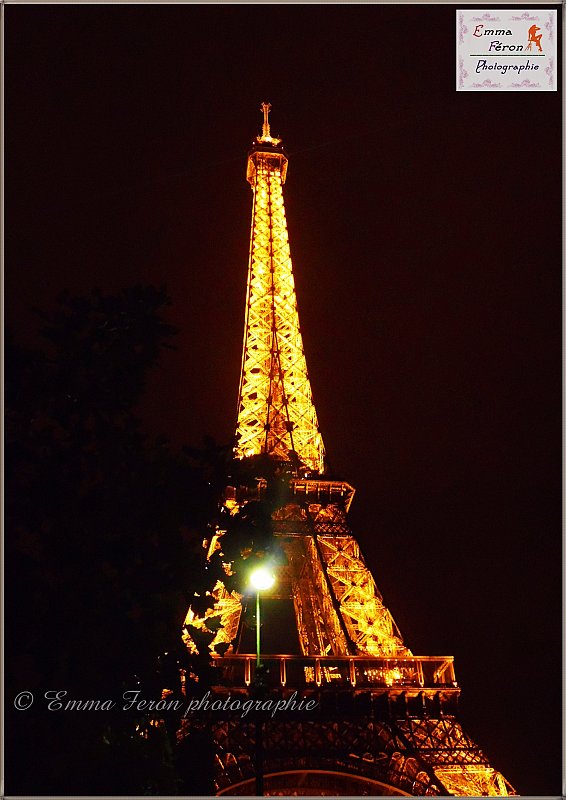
x: 506, y: 50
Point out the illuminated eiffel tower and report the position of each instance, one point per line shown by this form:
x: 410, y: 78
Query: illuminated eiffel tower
x: 387, y: 720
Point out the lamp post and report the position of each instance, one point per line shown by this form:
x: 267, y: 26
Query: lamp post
x: 261, y: 579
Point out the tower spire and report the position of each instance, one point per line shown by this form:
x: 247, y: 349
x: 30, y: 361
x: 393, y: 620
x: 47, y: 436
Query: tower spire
x: 266, y: 136
x: 276, y: 414
x: 266, y: 133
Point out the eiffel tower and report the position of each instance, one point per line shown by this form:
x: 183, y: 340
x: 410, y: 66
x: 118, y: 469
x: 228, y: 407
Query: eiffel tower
x: 386, y: 721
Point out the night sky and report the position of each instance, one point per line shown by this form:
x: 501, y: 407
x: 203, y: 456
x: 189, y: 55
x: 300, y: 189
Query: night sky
x: 425, y: 231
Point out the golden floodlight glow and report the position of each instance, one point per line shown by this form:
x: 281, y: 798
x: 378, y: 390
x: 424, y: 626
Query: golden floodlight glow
x: 262, y: 578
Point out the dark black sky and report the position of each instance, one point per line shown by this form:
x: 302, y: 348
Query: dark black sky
x: 425, y: 233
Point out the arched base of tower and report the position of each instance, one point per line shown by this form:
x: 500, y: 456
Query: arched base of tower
x: 314, y: 783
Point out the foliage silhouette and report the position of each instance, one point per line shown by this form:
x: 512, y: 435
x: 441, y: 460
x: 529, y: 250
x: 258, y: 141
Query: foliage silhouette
x: 104, y: 552
x: 104, y: 527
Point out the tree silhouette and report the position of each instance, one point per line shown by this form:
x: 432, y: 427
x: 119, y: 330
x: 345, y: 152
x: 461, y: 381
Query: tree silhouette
x: 103, y: 534
x: 104, y: 530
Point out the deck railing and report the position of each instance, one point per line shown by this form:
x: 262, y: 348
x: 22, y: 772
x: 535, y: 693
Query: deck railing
x: 434, y: 672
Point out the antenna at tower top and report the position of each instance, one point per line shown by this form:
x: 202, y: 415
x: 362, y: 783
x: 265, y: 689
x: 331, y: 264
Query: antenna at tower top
x: 266, y: 130
x: 266, y: 107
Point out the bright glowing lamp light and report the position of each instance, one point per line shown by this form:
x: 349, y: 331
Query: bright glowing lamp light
x: 262, y: 578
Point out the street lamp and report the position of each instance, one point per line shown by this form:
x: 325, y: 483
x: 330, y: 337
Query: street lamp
x: 261, y: 579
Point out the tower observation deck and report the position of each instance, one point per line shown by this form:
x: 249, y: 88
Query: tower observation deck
x: 387, y: 720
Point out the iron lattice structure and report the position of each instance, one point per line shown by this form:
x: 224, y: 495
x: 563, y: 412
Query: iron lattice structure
x: 387, y: 720
x: 276, y: 414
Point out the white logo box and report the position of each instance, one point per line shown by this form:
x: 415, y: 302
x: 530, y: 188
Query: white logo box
x: 506, y: 50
